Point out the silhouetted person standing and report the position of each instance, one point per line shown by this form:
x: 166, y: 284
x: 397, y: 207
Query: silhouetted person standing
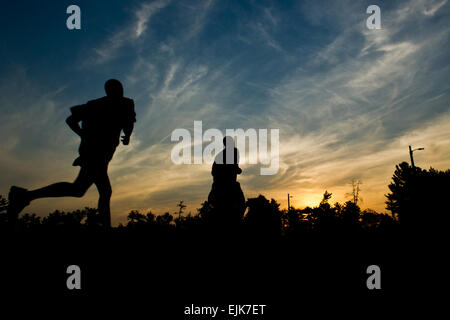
x: 226, y: 164
x: 226, y: 195
x: 102, y: 121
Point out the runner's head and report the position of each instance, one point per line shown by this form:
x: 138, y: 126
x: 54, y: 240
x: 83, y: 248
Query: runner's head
x: 113, y: 88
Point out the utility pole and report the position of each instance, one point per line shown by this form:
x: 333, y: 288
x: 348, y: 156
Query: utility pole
x: 289, y: 202
x: 411, y: 155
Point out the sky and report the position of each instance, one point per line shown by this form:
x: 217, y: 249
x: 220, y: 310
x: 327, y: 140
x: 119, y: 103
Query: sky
x: 347, y: 100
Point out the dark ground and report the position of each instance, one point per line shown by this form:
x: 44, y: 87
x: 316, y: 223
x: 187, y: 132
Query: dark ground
x: 318, y: 273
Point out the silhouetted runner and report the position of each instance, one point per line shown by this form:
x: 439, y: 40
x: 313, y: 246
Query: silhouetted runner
x: 102, y: 121
x: 226, y: 196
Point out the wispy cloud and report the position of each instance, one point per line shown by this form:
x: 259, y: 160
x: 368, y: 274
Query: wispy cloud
x: 129, y: 34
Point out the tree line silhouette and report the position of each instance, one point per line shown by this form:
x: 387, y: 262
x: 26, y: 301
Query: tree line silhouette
x: 416, y: 197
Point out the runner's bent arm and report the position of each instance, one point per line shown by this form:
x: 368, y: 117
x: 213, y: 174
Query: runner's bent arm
x: 127, y: 130
x: 78, y: 114
x: 129, y: 123
x: 74, y: 125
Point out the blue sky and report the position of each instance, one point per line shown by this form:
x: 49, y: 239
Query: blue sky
x: 347, y: 100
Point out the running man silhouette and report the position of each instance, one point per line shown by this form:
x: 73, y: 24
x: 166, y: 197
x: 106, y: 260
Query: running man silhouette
x: 102, y: 121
